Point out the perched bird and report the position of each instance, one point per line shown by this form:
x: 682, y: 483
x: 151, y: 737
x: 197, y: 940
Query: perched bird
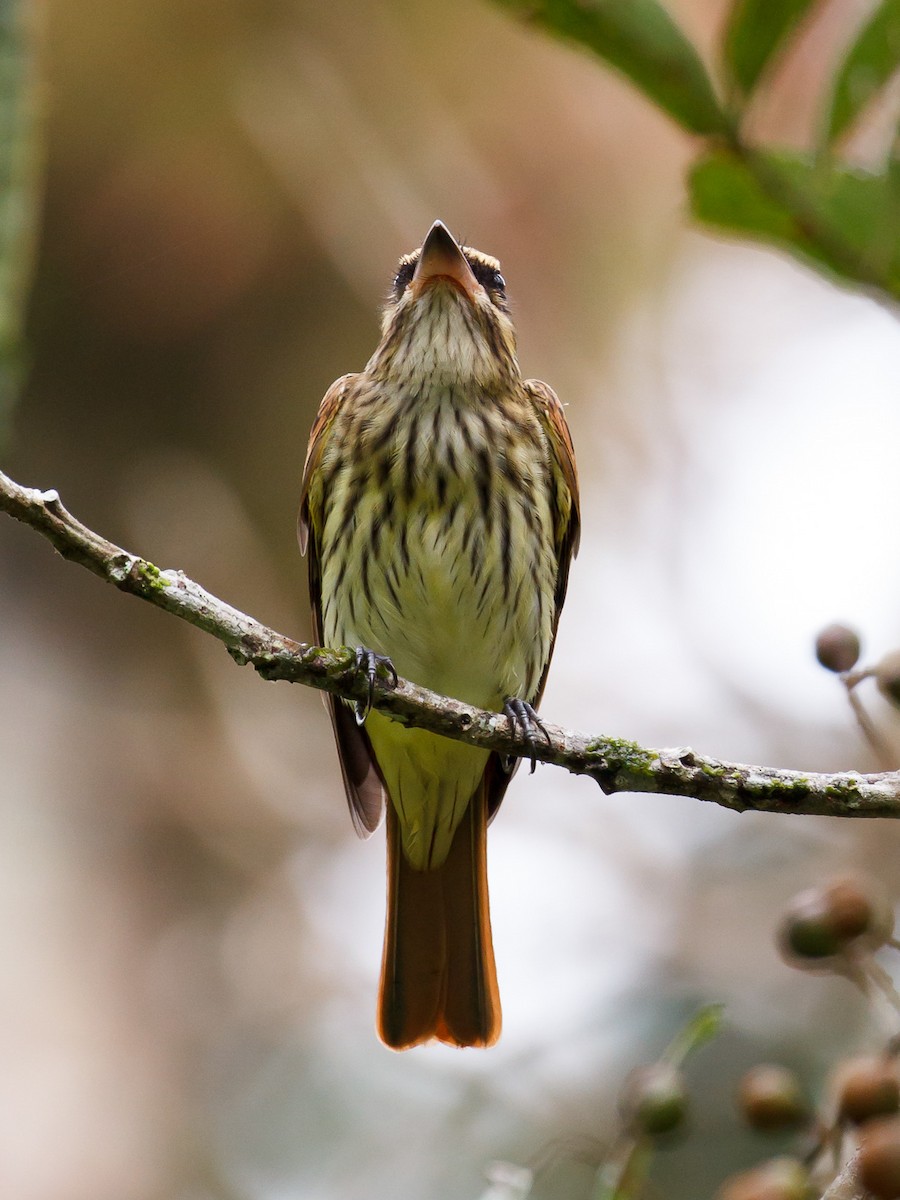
x: 439, y: 511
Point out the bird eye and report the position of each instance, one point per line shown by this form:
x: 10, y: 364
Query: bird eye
x: 487, y: 275
x: 403, y: 277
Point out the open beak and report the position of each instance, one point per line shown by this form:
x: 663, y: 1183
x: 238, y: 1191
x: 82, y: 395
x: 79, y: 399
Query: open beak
x: 441, y: 258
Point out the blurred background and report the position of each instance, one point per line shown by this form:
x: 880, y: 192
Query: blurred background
x: 190, y: 933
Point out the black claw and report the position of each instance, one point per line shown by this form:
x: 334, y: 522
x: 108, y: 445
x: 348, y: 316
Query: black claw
x: 523, y: 719
x: 368, y: 662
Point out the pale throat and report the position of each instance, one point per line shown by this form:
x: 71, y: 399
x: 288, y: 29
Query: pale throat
x: 443, y: 342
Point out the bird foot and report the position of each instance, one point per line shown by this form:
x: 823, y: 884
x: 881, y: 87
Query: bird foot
x: 367, y: 663
x: 523, y: 719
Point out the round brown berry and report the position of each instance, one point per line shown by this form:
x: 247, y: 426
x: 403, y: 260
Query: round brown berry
x: 850, y: 907
x: 879, y: 1157
x: 777, y: 1179
x: 806, y: 932
x: 837, y: 648
x: 859, y: 911
x: 867, y: 1086
x: 653, y: 1099
x: 825, y: 921
x: 770, y: 1098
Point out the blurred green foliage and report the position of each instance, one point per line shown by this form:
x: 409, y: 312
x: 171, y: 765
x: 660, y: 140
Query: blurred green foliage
x: 16, y: 194
x: 867, y: 68
x: 841, y: 219
x: 755, y: 30
x: 644, y: 43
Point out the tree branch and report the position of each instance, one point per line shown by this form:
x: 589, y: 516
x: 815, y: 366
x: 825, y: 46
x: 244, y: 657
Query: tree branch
x: 615, y: 764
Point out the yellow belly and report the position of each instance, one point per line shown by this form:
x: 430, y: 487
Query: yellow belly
x: 430, y: 781
x: 452, y: 574
x: 474, y: 634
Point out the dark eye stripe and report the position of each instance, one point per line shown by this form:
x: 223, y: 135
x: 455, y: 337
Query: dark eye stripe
x: 489, y: 277
x: 402, y: 278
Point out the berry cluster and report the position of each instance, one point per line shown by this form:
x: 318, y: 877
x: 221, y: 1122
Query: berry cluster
x: 846, y: 1147
x: 850, y: 1145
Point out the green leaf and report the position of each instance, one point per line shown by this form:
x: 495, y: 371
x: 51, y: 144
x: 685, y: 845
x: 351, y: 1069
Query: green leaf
x: 641, y: 40
x: 17, y: 201
x: 843, y: 221
x: 871, y: 61
x: 756, y: 29
x: 618, y: 1181
x: 700, y: 1029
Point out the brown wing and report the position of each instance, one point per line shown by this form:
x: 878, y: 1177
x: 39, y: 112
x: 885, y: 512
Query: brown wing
x: 566, y: 530
x: 565, y: 502
x: 362, y: 781
x: 318, y: 436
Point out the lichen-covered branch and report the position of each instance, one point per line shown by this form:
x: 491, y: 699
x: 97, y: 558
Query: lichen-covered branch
x: 616, y: 765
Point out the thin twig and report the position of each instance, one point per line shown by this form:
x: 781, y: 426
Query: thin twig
x: 884, y: 983
x: 615, y: 764
x: 880, y: 746
x: 846, y: 1185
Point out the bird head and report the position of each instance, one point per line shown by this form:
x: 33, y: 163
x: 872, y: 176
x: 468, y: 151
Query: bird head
x: 447, y: 314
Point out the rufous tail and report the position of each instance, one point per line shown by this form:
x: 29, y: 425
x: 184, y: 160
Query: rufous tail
x: 438, y: 978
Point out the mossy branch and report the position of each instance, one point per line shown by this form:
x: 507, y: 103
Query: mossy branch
x: 615, y: 764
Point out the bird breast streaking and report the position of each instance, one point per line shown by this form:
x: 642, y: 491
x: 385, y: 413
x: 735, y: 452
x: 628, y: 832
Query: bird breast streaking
x: 439, y: 513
